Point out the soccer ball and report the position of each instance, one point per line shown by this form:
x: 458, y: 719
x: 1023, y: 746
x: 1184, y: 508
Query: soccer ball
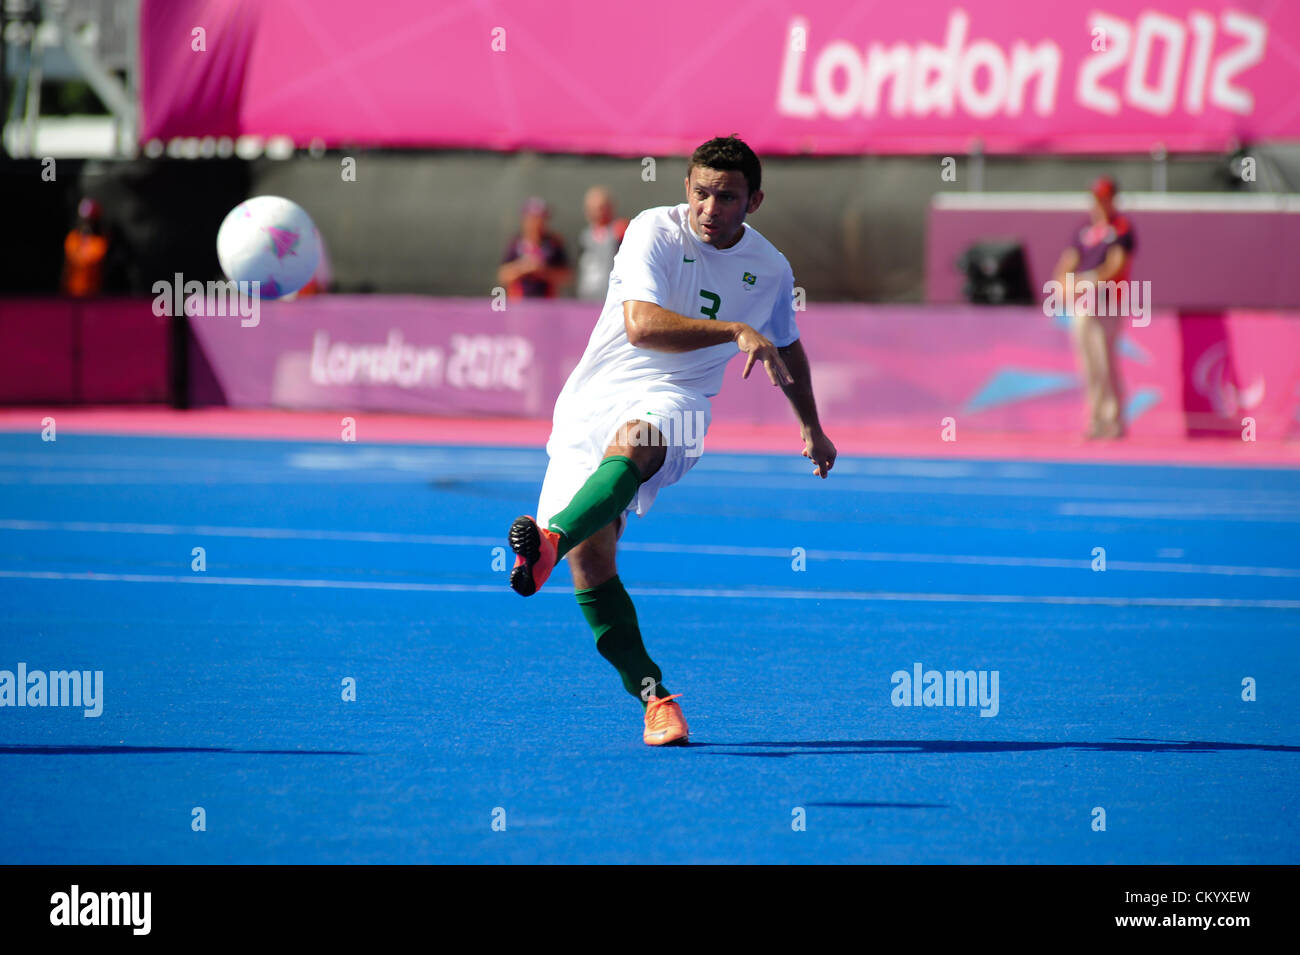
x: 270, y: 240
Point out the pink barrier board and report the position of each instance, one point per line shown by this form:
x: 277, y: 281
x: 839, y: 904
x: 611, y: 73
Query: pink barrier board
x: 815, y: 77
x: 991, y: 369
x: 97, y: 351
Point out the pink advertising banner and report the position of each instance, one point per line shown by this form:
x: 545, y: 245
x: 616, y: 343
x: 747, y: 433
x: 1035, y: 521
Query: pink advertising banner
x: 814, y: 77
x: 994, y: 369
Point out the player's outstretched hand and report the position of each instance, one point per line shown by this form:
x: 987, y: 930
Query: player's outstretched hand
x: 758, y: 348
x: 818, y: 448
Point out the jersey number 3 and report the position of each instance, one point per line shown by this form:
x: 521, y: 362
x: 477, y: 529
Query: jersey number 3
x: 714, y: 300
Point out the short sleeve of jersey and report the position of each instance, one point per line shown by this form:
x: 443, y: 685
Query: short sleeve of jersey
x: 1126, y: 240
x: 641, y: 270
x: 783, y: 331
x: 1076, y: 238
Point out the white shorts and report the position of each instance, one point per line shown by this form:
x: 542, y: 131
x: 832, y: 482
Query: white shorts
x: 581, y: 431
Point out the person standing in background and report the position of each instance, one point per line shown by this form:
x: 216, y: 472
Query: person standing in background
x: 535, y: 264
x: 598, y: 244
x: 84, y: 251
x: 1101, y: 251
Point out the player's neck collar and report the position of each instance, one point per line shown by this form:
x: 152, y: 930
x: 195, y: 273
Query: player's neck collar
x: 744, y: 231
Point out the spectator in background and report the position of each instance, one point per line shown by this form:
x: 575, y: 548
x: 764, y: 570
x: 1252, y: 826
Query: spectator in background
x: 1101, y: 251
x: 84, y: 251
x: 535, y: 264
x: 598, y: 244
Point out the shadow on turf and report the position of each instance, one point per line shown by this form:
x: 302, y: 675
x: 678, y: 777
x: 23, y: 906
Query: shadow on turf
x: 127, y: 750
x: 851, y: 747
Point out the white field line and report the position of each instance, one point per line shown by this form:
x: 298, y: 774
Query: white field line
x: 380, y: 466
x: 706, y: 550
x: 744, y: 593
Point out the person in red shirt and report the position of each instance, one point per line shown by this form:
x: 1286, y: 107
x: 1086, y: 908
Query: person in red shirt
x: 535, y: 264
x: 84, y: 251
x: 1101, y: 251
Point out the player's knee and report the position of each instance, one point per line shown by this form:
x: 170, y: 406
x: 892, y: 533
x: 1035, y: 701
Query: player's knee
x: 648, y: 460
x: 644, y: 444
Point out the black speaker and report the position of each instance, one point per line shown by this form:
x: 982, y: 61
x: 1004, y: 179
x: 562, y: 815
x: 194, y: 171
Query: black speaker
x: 995, y: 274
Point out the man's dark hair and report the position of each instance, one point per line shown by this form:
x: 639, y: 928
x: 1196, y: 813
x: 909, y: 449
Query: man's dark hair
x: 727, y: 153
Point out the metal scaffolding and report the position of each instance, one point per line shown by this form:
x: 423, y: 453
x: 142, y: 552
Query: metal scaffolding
x: 92, y: 40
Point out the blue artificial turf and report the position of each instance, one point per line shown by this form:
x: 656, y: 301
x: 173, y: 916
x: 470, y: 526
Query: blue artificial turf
x: 1119, y: 689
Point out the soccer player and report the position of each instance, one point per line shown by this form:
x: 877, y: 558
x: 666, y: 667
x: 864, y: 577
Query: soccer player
x: 692, y: 286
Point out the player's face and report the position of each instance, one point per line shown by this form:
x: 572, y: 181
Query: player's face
x: 599, y: 207
x: 534, y: 227
x: 719, y: 201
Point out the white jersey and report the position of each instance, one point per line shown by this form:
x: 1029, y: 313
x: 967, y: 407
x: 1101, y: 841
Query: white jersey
x: 662, y: 261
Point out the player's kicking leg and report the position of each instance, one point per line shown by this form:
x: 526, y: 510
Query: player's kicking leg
x: 637, y: 452
x: 587, y: 532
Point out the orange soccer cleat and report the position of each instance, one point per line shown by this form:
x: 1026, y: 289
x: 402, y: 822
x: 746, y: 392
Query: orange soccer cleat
x: 664, y: 722
x: 537, y: 549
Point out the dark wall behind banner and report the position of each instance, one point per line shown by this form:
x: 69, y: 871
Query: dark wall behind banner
x: 437, y: 223
x: 162, y: 218
x: 35, y: 215
x: 167, y: 213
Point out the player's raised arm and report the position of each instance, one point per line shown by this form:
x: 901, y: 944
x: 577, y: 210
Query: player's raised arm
x: 651, y: 326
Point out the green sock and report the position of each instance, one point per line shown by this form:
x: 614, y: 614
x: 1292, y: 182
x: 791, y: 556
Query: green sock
x: 604, y: 497
x: 612, y: 618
